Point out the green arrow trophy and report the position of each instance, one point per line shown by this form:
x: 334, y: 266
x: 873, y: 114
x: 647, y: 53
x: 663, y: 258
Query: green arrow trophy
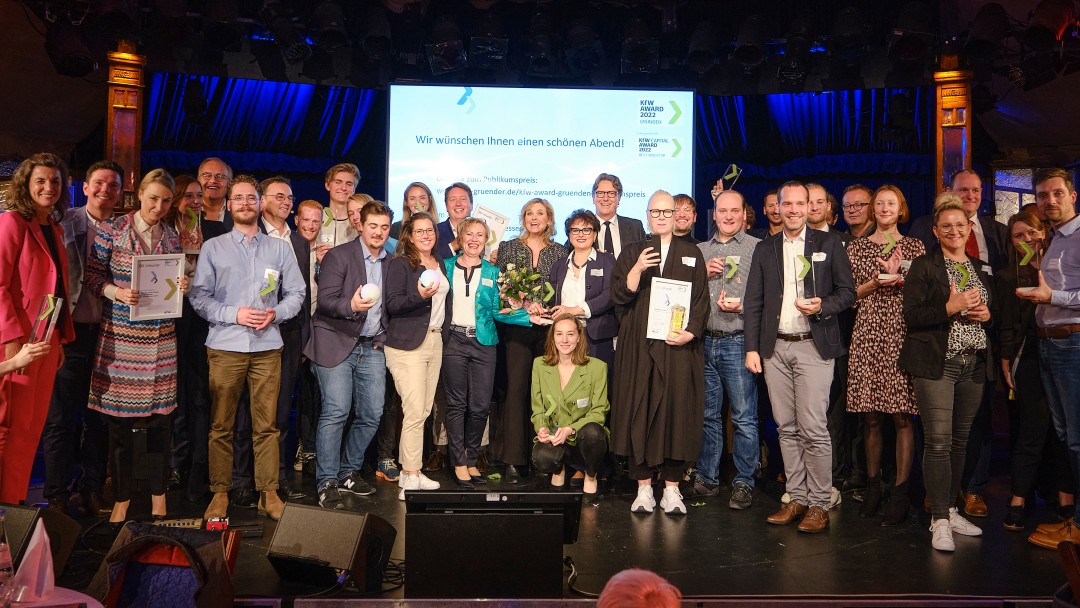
x: 804, y: 290
x: 46, y: 317
x: 890, y: 247
x: 1027, y: 265
x: 730, y: 276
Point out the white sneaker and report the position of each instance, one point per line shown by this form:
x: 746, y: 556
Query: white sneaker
x: 834, y: 498
x: 785, y: 498
x: 961, y: 525
x: 416, y: 482
x: 942, y: 540
x: 671, y: 502
x: 645, y: 502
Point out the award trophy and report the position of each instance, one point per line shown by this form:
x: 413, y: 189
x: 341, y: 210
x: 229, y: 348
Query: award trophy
x: 1027, y: 266
x: 731, y: 264
x: 804, y: 290
x: 885, y: 253
x: 46, y: 317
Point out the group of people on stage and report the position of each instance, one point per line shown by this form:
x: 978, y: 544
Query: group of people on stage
x: 535, y: 351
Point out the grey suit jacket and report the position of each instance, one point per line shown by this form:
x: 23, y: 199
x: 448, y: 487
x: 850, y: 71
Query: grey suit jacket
x: 74, y: 225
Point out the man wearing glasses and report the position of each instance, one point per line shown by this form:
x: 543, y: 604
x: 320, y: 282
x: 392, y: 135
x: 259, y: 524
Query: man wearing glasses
x: 246, y: 285
x: 616, y: 231
x: 214, y: 177
x: 857, y: 215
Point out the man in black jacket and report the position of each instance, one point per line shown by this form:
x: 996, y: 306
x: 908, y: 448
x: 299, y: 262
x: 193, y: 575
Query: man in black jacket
x: 799, y: 282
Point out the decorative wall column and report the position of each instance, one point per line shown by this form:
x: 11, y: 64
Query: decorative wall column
x: 952, y: 120
x: 124, y: 131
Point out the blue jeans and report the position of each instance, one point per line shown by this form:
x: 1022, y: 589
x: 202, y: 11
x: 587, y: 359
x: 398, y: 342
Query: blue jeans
x: 1060, y: 369
x: 357, y: 385
x: 725, y: 372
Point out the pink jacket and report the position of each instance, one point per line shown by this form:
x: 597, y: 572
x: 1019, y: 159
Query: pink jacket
x: 27, y: 273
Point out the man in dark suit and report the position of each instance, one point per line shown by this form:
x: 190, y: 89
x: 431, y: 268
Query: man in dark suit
x: 348, y: 331
x: 459, y: 204
x: 987, y: 241
x: 792, y: 333
x: 61, y: 438
x: 616, y: 231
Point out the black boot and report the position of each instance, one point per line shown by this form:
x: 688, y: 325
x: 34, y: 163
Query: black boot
x: 896, y: 511
x: 872, y: 499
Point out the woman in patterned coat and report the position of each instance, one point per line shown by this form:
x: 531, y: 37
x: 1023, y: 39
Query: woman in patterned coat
x: 134, y: 374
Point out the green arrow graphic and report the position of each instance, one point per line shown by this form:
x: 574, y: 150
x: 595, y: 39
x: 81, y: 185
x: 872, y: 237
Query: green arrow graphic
x: 329, y: 216
x: 48, y: 311
x: 269, y: 288
x: 805, y: 266
x: 677, y: 114
x: 734, y: 267
x: 192, y: 218
x: 888, y: 248
x: 172, y: 289
x: 549, y: 291
x: 1028, y: 253
x: 678, y: 147
x: 733, y: 172
x: 965, y: 276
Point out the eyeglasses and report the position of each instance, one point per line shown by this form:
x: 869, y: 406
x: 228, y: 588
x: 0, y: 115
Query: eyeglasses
x: 221, y: 177
x: 855, y: 206
x: 668, y: 213
x: 423, y: 231
x: 952, y: 227
x: 281, y: 198
x: 606, y: 194
x: 585, y: 231
x: 241, y: 199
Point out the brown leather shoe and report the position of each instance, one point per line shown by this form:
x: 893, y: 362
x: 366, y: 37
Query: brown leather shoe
x: 1049, y: 539
x: 270, y: 505
x: 787, y: 514
x: 218, y: 507
x: 816, y: 520
x: 435, y: 462
x: 974, y: 505
x: 482, y: 463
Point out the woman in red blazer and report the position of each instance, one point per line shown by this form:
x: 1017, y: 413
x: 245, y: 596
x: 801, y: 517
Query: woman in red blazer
x: 33, y: 264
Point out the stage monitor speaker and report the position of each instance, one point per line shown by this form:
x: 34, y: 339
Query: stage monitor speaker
x: 310, y: 543
x: 63, y: 531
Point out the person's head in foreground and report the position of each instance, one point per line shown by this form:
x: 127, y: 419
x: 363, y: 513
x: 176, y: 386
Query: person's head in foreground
x: 636, y: 588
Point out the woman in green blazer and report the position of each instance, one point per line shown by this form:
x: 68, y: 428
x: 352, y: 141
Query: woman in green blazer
x: 569, y: 404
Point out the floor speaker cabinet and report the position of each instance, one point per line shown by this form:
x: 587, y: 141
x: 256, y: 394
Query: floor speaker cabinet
x: 311, y: 543
x: 63, y: 531
x: 483, y: 555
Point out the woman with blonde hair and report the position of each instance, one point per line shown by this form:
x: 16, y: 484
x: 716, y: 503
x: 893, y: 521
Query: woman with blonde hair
x: 534, y: 251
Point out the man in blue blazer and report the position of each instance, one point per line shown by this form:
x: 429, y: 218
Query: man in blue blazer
x: 799, y: 282
x: 347, y: 334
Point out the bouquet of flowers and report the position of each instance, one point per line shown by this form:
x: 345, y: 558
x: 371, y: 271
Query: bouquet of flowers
x: 517, y: 286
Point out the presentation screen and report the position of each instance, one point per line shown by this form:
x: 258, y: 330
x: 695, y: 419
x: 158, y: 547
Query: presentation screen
x: 513, y: 144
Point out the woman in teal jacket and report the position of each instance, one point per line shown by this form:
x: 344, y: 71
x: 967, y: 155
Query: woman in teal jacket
x: 469, y: 349
x: 569, y: 404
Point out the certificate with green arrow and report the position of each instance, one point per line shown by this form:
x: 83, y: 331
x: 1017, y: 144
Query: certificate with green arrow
x: 157, y: 279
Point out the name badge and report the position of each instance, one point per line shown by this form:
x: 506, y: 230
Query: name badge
x: 689, y: 261
x: 905, y: 265
x: 583, y: 402
x: 272, y: 275
x: 487, y: 282
x: 989, y: 271
x: 817, y: 256
x: 596, y: 272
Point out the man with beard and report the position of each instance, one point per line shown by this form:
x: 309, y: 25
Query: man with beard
x: 246, y: 285
x: 685, y: 218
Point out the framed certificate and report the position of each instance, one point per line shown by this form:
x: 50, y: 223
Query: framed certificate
x: 156, y: 278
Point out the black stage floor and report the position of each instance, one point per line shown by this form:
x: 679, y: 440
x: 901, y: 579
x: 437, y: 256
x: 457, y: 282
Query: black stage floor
x: 712, y: 551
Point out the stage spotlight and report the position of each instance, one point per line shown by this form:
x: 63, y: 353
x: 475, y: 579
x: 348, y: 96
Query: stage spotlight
x: 1048, y: 23
x: 910, y: 40
x: 320, y: 66
x: 750, y: 43
x: 988, y: 29
x: 220, y: 26
x: 489, y: 46
x: 447, y: 51
x: 541, y: 47
x: 294, y: 48
x: 375, y: 33
x: 584, y: 52
x: 329, y: 24
x: 118, y: 18
x: 794, y: 65
x: 701, y: 56
x: 68, y: 51
x: 850, y: 28
x: 640, y: 52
